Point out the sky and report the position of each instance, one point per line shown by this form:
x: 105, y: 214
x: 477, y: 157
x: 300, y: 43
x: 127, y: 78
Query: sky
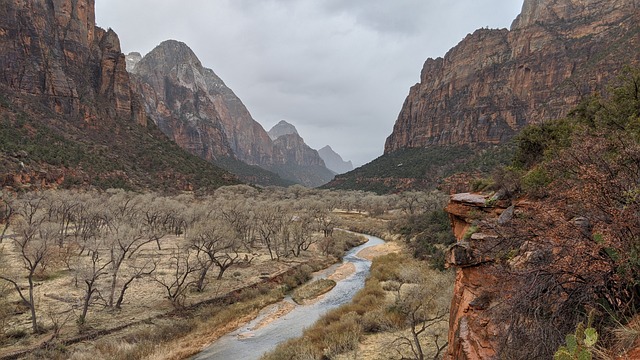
x: 339, y: 70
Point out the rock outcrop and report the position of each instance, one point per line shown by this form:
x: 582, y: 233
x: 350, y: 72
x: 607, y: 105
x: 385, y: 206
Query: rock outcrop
x: 472, y: 332
x: 494, y: 82
x: 53, y: 53
x: 334, y: 161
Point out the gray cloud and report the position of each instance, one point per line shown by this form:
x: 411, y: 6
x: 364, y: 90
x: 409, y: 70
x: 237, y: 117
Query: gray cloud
x: 339, y: 70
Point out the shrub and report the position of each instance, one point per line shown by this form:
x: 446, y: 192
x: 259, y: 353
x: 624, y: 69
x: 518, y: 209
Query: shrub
x: 536, y: 181
x: 578, y: 346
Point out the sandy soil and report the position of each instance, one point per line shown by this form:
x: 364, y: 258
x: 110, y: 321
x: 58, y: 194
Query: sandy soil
x: 383, y: 249
x: 280, y: 309
x: 342, y: 272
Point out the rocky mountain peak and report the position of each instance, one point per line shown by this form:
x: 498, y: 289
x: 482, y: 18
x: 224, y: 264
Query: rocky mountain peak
x: 282, y: 128
x: 195, y: 108
x: 173, y: 53
x: 334, y: 161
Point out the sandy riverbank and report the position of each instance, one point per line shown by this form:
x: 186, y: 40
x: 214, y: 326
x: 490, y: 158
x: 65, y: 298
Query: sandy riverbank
x: 340, y: 273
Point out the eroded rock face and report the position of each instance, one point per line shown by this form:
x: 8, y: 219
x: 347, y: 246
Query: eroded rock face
x: 52, y: 51
x: 183, y: 99
x: 295, y: 160
x: 494, y: 82
x: 473, y: 334
x: 194, y: 107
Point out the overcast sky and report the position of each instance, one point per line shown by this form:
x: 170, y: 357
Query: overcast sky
x: 339, y: 70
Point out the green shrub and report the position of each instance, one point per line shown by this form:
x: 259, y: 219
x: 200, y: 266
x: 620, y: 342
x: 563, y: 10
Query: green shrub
x: 536, y: 181
x: 579, y: 346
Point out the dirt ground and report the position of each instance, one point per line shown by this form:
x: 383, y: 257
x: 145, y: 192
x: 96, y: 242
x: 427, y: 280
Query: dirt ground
x: 383, y: 249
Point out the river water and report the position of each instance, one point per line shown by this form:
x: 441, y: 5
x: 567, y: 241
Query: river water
x: 245, y: 344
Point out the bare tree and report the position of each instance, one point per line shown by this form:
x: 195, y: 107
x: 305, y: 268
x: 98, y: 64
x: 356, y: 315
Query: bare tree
x: 215, y: 244
x: 301, y: 231
x: 239, y: 214
x: 61, y: 205
x: 182, y: 265
x: 90, y: 271
x: 135, y: 272
x: 270, y: 218
x: 33, y: 246
x: 124, y: 241
x: 420, y: 300
x: 7, y: 208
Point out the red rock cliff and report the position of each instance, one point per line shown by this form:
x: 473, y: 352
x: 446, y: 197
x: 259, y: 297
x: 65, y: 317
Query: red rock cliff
x: 52, y: 51
x: 494, y: 82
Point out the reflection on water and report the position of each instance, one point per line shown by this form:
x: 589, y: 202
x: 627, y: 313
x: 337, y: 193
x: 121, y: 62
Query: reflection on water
x: 247, y: 344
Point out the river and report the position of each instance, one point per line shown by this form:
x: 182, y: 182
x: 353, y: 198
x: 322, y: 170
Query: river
x: 246, y: 344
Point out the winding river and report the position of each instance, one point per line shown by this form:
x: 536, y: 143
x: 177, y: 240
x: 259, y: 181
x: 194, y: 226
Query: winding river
x: 248, y: 344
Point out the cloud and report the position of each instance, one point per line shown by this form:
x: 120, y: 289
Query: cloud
x: 338, y: 70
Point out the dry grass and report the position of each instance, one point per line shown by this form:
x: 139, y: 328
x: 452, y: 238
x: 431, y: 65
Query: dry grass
x: 369, y: 326
x: 626, y: 342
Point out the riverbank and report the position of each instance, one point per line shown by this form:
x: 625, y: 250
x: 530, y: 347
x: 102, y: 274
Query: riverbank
x: 243, y: 344
x: 400, y: 294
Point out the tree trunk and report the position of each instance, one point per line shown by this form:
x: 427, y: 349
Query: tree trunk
x: 85, y: 304
x: 202, y: 277
x: 419, y: 352
x: 32, y: 306
x: 122, y: 291
x: 112, y: 291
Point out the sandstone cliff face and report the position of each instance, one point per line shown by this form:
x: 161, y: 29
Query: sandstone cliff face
x: 473, y: 334
x: 294, y: 159
x: 494, y: 82
x: 176, y: 92
x: 291, y: 149
x: 193, y: 106
x: 70, y: 116
x: 53, y: 52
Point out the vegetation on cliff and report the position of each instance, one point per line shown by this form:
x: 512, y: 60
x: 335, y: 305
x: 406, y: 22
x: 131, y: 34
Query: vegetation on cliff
x: 421, y: 168
x: 41, y: 149
x: 573, y: 247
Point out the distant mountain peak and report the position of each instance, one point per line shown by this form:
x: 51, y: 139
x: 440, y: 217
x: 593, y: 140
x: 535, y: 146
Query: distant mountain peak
x: 282, y: 128
x: 334, y: 161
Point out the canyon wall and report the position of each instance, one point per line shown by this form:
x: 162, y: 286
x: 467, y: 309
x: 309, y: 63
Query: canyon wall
x: 494, y: 82
x: 53, y: 52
